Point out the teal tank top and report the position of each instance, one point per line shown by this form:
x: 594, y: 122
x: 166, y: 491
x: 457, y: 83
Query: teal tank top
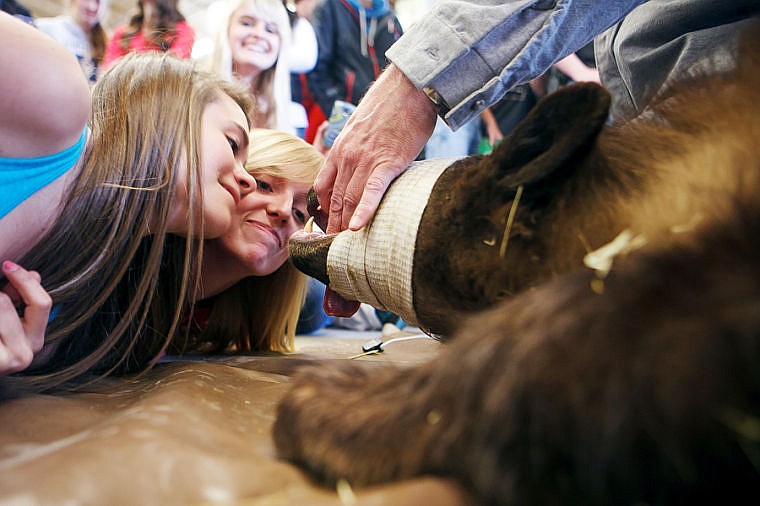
x: 21, y: 177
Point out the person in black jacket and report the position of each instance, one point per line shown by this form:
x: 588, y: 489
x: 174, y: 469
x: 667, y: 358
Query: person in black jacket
x: 352, y: 37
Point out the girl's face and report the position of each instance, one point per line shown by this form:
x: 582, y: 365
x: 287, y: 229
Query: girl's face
x: 86, y: 12
x: 224, y: 182
x: 254, y: 40
x: 258, y: 239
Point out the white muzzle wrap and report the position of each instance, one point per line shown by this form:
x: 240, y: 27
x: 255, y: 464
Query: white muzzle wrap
x: 374, y: 264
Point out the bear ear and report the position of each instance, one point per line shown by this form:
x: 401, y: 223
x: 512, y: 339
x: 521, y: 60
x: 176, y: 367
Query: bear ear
x: 562, y: 127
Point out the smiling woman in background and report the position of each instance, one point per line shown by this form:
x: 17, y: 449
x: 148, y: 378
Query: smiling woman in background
x: 252, y: 46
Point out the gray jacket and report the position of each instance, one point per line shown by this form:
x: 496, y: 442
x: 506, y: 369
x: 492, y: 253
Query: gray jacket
x: 468, y: 53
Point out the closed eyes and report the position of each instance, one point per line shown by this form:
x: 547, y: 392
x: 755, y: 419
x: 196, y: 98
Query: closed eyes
x: 234, y: 145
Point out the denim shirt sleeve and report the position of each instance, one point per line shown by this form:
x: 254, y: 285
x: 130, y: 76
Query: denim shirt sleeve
x: 471, y: 52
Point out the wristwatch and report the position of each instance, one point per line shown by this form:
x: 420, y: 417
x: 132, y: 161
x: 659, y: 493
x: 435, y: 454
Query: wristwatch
x: 437, y: 99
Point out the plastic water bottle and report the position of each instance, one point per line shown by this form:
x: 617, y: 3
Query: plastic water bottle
x: 340, y: 113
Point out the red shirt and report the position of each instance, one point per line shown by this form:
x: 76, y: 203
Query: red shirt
x: 182, y: 45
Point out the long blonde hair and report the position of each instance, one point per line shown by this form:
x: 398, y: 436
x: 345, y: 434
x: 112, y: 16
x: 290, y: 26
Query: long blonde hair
x: 101, y: 259
x: 273, y: 86
x: 260, y: 313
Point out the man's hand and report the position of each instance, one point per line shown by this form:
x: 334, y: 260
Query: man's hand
x: 387, y: 131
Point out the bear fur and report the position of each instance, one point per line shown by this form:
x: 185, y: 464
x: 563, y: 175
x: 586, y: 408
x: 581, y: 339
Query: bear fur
x: 634, y: 385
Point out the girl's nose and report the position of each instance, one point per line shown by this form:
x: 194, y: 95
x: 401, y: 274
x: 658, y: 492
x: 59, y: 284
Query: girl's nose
x: 280, y: 206
x: 246, y: 181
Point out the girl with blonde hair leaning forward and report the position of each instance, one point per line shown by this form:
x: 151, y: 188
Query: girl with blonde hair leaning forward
x: 251, y: 294
x: 251, y: 46
x: 163, y: 158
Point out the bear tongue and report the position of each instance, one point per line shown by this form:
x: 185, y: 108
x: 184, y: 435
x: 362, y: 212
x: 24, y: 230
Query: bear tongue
x: 335, y: 305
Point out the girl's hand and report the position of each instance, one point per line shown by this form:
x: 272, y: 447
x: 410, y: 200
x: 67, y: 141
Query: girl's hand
x: 24, y: 311
x: 319, y: 138
x: 492, y: 127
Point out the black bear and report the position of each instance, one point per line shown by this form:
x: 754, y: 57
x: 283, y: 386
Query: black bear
x: 631, y: 380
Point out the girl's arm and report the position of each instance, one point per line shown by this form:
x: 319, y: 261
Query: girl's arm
x: 45, y: 95
x: 492, y: 126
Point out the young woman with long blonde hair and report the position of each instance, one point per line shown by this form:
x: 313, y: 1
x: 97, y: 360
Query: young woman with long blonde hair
x: 252, y: 295
x: 251, y: 47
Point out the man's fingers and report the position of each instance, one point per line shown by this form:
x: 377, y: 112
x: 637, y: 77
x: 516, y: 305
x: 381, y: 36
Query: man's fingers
x: 362, y: 214
x: 351, y: 200
x: 347, y: 194
x: 323, y: 184
x: 341, y: 199
x: 372, y: 192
